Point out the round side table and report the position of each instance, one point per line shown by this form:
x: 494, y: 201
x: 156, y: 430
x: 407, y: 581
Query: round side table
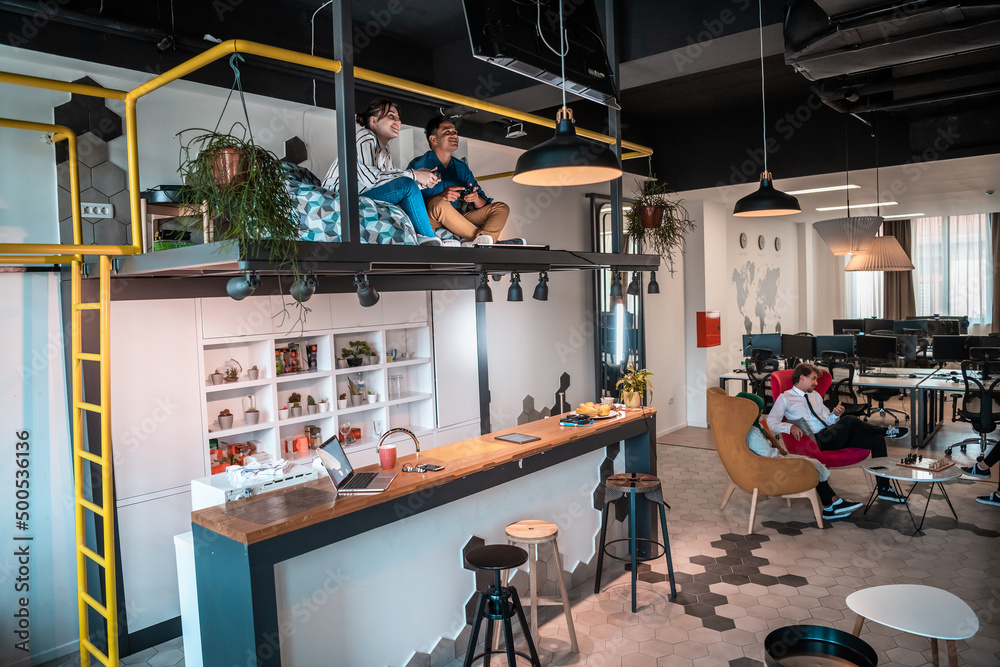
x: 920, y: 610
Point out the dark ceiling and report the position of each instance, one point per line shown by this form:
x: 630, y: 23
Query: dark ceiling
x: 690, y: 71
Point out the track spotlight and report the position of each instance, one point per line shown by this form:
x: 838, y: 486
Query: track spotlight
x: 367, y: 295
x: 483, y: 293
x: 616, y: 286
x: 654, y: 287
x: 634, y: 287
x: 514, y: 292
x: 243, y: 286
x: 304, y: 287
x: 542, y: 288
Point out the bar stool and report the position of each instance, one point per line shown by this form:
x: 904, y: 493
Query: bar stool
x: 633, y: 483
x: 499, y: 603
x: 531, y: 533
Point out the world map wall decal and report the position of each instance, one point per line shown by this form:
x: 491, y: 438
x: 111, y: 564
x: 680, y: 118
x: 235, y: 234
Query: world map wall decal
x: 757, y: 296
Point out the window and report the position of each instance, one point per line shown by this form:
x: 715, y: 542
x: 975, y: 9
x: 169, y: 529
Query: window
x: 864, y: 293
x: 954, y: 270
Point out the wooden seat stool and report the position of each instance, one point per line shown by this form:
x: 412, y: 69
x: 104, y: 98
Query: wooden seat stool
x: 531, y: 533
x: 498, y: 603
x: 633, y: 483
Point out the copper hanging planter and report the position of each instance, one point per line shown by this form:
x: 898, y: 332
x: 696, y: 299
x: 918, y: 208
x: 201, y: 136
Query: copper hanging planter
x: 651, y: 216
x: 226, y: 166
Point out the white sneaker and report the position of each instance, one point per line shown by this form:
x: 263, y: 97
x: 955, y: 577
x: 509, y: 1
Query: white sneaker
x: 450, y: 243
x: 481, y: 240
x: 428, y: 240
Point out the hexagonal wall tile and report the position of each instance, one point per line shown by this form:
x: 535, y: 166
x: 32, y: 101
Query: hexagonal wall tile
x: 108, y: 178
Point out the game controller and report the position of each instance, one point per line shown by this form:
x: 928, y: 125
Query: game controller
x: 467, y: 190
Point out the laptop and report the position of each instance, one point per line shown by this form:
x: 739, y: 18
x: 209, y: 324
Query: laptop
x: 342, y: 474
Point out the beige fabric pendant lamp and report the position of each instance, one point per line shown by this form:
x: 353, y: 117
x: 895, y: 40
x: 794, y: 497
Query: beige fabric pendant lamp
x: 884, y: 254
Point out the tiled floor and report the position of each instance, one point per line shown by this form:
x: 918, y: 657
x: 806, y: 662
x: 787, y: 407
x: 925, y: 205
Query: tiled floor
x: 736, y: 589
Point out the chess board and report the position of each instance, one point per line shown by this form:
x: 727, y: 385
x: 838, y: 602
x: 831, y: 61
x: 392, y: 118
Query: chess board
x: 932, y: 465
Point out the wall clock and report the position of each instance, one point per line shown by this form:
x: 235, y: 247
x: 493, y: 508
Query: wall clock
x: 777, y: 243
x: 761, y: 242
x: 743, y: 240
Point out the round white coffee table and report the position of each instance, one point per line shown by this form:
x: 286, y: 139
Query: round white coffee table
x: 890, y: 469
x: 920, y: 610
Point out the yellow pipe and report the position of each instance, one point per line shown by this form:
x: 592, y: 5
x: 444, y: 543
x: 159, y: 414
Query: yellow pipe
x: 132, y: 156
x: 52, y: 84
x: 225, y: 49
x: 34, y: 259
x: 475, y: 103
x: 77, y: 389
x: 107, y: 472
x: 63, y: 248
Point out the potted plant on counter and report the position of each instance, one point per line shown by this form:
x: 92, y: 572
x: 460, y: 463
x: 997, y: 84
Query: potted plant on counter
x: 657, y: 221
x: 633, y: 386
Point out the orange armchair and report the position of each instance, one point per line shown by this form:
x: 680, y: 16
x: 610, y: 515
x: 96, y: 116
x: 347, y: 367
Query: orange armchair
x: 730, y: 418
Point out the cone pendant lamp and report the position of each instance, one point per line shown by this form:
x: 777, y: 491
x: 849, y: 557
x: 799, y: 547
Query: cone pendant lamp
x: 884, y: 254
x: 852, y: 234
x: 566, y: 158
x: 767, y: 201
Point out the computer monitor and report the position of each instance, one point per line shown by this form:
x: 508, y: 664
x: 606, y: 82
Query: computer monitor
x: 843, y: 343
x: 873, y: 324
x: 771, y: 341
x: 987, y: 341
x: 840, y: 325
x: 943, y: 327
x: 880, y: 349
x: 900, y: 326
x: 906, y: 346
x: 798, y: 347
x: 950, y: 348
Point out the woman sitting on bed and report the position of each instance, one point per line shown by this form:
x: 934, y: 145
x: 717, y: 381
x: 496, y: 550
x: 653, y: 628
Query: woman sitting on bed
x: 379, y: 179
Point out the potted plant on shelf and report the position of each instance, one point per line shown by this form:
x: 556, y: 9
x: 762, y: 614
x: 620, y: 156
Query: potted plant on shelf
x: 633, y: 386
x: 372, y: 397
x: 251, y: 414
x: 324, y: 405
x: 218, y: 378
x: 342, y: 401
x: 356, y: 397
x: 293, y: 400
x: 657, y: 221
x: 253, y: 373
x: 283, y: 412
x: 311, y: 406
x: 351, y: 357
x: 225, y: 419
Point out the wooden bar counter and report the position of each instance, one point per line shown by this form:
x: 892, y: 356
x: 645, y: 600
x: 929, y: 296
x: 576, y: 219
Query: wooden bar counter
x: 283, y: 573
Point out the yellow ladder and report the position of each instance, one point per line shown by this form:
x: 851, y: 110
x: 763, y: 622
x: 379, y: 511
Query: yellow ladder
x: 103, y: 556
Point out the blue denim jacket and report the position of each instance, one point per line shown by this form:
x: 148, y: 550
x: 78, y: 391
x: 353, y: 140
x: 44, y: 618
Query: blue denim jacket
x: 456, y: 173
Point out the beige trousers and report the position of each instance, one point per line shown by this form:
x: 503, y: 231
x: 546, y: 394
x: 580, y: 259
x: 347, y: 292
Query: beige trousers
x: 488, y: 220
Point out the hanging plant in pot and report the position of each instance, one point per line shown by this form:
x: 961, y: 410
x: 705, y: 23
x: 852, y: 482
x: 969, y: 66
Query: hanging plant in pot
x: 656, y: 221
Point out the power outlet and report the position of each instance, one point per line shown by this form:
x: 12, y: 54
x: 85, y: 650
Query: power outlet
x: 88, y: 210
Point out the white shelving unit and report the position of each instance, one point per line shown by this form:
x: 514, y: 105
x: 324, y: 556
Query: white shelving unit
x: 413, y: 408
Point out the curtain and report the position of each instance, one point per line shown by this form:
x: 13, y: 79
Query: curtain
x: 930, y: 259
x: 995, y: 233
x: 898, y: 291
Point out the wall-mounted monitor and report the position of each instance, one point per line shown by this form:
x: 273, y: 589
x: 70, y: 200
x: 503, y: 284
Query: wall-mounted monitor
x: 842, y: 343
x: 880, y: 349
x: 851, y: 325
x: 798, y: 347
x: 771, y: 341
x: 873, y: 324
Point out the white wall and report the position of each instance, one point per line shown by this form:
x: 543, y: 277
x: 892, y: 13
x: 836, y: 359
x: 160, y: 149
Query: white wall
x: 33, y: 410
x: 665, y: 348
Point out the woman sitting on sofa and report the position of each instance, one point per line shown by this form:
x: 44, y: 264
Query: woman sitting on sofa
x: 379, y: 179
x: 762, y: 443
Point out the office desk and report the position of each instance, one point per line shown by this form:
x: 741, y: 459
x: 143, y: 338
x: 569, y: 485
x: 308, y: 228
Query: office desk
x: 734, y: 375
x: 934, y: 388
x: 897, y: 382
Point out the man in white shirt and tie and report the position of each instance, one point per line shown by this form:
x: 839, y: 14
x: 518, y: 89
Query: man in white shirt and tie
x: 800, y: 410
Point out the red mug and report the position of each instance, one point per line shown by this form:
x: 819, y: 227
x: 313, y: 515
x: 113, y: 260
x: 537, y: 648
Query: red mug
x: 387, y: 456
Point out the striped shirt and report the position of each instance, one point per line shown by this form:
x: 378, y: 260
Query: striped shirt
x: 374, y: 165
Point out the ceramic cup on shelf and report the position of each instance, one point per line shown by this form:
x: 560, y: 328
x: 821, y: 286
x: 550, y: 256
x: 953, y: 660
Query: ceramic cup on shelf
x: 355, y: 399
x: 341, y: 363
x: 253, y: 373
x: 283, y: 413
x: 372, y: 398
x: 217, y: 378
x: 252, y: 416
x: 324, y: 405
x: 341, y: 403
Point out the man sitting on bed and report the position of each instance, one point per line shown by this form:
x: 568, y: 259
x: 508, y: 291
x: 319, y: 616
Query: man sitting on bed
x: 457, y: 202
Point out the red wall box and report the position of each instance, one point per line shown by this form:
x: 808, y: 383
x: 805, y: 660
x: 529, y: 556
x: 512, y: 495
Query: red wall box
x: 709, y: 329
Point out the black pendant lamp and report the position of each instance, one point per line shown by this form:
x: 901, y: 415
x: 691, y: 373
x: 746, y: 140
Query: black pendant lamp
x: 566, y: 159
x: 654, y: 287
x: 767, y: 201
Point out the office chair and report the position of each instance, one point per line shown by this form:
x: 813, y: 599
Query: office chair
x: 841, y: 391
x: 922, y: 343
x: 982, y: 414
x: 759, y: 367
x: 880, y: 395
